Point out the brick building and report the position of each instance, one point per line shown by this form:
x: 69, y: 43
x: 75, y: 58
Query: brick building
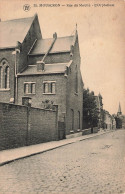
x: 42, y: 69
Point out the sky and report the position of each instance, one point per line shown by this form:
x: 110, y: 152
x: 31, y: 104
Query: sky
x: 101, y: 32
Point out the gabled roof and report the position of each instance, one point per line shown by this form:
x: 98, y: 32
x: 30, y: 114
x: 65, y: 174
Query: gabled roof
x: 12, y: 31
x: 15, y: 30
x: 62, y: 44
x: 49, y: 69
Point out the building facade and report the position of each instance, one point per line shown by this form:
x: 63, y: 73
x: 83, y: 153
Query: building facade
x: 120, y: 118
x: 46, y: 70
x: 99, y: 105
x: 113, y: 122
x: 108, y: 120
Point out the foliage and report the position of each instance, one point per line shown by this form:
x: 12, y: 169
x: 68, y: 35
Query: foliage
x: 118, y: 122
x: 90, y: 110
x: 48, y: 104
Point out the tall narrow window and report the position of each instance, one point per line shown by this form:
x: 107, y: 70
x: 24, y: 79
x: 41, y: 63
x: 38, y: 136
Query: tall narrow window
x: 33, y: 88
x: 46, y: 88
x: 76, y: 81
x: 78, y: 119
x: 1, y: 76
x: 4, y: 74
x: 53, y: 88
x: 7, y: 77
x: 26, y: 88
x: 72, y: 119
x: 8, y: 73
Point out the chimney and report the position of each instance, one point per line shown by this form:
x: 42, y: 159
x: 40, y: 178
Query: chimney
x: 18, y: 46
x: 40, y: 66
x: 11, y: 101
x: 55, y: 35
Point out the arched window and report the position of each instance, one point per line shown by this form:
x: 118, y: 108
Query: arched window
x: 4, y: 74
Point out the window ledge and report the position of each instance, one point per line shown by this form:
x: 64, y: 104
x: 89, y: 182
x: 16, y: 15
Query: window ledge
x: 30, y: 94
x: 49, y: 93
x: 76, y: 94
x: 4, y: 89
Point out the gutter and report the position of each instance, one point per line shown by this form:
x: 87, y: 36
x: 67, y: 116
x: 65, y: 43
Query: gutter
x: 4, y: 48
x: 31, y: 74
x: 55, y: 52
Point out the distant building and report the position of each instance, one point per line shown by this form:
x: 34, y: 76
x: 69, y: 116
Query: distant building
x: 113, y: 122
x: 99, y: 105
x: 108, y: 120
x: 46, y: 70
x: 120, y: 118
x: 123, y: 121
x: 119, y: 113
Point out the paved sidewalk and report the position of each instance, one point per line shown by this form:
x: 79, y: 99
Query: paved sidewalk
x: 10, y: 155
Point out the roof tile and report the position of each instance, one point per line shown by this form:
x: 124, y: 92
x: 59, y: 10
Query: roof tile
x: 62, y: 44
x: 12, y: 31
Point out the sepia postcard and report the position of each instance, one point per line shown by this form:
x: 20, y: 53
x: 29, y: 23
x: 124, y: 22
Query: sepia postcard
x: 62, y: 96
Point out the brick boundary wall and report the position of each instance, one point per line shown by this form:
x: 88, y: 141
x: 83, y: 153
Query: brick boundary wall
x: 95, y: 130
x: 89, y: 131
x: 13, y: 125
x: 43, y: 126
x: 86, y: 131
x: 21, y: 125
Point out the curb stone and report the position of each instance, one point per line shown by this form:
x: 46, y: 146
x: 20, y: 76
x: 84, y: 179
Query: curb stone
x: 57, y: 146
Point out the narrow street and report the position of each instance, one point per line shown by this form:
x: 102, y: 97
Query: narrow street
x: 96, y: 165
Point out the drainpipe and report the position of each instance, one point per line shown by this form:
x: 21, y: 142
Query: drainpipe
x: 16, y: 81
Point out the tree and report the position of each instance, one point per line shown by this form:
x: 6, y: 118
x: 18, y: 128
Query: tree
x: 48, y: 104
x: 118, y: 122
x: 90, y: 110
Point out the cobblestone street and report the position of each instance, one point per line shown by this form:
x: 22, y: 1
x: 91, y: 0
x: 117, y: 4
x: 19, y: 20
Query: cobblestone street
x: 96, y: 165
